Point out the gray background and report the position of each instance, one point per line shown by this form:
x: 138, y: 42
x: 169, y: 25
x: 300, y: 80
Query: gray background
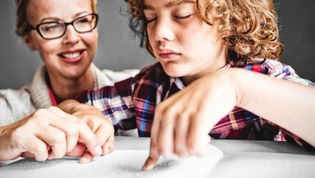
x: 118, y: 50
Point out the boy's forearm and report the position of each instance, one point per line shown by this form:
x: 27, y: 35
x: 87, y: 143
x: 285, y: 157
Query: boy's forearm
x: 287, y: 104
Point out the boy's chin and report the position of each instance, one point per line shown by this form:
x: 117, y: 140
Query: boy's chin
x: 174, y: 74
x: 174, y: 70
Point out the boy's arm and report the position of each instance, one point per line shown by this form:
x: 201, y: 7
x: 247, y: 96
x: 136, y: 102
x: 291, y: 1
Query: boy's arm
x: 286, y: 104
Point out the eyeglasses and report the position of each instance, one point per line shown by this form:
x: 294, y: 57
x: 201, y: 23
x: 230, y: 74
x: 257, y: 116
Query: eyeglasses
x: 54, y: 30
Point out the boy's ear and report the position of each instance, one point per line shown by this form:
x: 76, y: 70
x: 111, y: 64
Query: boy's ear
x: 29, y: 42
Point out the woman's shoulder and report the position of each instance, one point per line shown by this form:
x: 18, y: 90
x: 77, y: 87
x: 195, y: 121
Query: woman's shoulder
x: 14, y: 104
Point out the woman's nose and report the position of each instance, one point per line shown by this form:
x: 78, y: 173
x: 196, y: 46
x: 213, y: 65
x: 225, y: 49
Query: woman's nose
x: 71, y: 35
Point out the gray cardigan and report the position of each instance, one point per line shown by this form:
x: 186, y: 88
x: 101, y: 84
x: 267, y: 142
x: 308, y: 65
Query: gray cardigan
x: 15, y: 104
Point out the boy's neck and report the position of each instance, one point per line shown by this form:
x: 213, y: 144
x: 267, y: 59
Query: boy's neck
x: 189, y: 79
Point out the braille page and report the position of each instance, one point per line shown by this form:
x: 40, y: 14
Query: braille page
x: 118, y: 164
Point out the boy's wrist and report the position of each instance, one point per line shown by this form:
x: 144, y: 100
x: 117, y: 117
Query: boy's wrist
x: 236, y: 79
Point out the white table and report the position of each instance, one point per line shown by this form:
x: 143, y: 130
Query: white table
x: 241, y: 158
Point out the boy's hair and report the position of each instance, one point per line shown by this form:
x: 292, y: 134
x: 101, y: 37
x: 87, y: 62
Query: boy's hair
x: 248, y: 27
x: 22, y: 25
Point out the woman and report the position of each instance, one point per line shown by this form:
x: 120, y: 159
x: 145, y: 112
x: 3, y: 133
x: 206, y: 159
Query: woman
x: 66, y: 39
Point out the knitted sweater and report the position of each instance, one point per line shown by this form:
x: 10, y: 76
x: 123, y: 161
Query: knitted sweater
x: 16, y: 104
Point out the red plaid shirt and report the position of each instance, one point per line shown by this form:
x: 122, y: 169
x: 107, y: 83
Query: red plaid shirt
x: 131, y: 103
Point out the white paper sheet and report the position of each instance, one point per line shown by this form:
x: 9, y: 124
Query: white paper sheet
x: 118, y: 164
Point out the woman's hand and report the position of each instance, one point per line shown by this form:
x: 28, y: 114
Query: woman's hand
x: 100, y: 125
x: 182, y: 122
x: 45, y: 134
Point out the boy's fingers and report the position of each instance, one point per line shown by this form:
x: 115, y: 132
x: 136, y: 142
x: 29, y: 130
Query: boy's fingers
x: 154, y: 151
x: 152, y: 159
x: 150, y: 163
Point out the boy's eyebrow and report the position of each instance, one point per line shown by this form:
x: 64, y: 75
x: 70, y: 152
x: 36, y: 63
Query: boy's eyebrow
x: 169, y: 4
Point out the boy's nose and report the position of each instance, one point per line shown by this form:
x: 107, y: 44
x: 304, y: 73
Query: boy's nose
x: 164, y: 31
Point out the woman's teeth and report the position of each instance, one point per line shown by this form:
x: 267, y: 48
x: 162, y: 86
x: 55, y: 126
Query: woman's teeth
x: 71, y: 55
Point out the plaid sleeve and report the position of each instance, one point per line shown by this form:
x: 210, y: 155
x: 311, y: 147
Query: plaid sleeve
x: 281, y: 71
x: 286, y: 72
x: 284, y: 135
x: 115, y: 102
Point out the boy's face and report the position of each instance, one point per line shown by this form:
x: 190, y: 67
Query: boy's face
x: 184, y: 44
x: 70, y: 55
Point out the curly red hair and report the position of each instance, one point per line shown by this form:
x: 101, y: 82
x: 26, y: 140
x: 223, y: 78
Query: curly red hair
x: 249, y: 27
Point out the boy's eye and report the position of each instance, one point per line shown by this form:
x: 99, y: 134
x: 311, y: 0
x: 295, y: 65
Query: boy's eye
x: 183, y: 16
x: 151, y: 19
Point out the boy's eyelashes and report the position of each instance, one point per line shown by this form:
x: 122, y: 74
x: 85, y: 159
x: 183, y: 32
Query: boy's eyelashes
x: 150, y: 20
x: 183, y: 16
x: 179, y: 17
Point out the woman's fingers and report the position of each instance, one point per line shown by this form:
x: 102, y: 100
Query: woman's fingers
x: 47, y: 134
x: 88, y: 138
x: 105, y: 136
x: 74, y: 129
x: 99, y: 125
x: 55, y: 139
x: 37, y: 148
x: 68, y: 124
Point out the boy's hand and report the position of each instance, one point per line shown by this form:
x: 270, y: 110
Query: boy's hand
x: 182, y: 122
x: 97, y: 122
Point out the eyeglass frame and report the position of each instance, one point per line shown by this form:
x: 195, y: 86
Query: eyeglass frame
x: 37, y: 27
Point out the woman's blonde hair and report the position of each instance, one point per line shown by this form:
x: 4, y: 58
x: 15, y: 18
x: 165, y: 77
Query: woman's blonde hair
x: 248, y: 27
x: 22, y: 25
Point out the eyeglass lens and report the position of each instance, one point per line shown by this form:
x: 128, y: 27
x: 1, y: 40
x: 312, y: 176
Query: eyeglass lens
x: 50, y: 30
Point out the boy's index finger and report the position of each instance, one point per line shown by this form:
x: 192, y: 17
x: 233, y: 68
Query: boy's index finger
x: 152, y: 159
x: 88, y: 138
x: 154, y: 150
x: 149, y: 164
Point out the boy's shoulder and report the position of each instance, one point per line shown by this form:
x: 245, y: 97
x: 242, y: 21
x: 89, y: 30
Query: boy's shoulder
x: 268, y: 66
x: 278, y: 70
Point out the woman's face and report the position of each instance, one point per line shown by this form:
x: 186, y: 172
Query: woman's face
x: 69, y: 56
x: 184, y: 44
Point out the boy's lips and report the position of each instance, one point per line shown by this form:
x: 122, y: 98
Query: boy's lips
x: 72, y: 56
x: 168, y: 53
